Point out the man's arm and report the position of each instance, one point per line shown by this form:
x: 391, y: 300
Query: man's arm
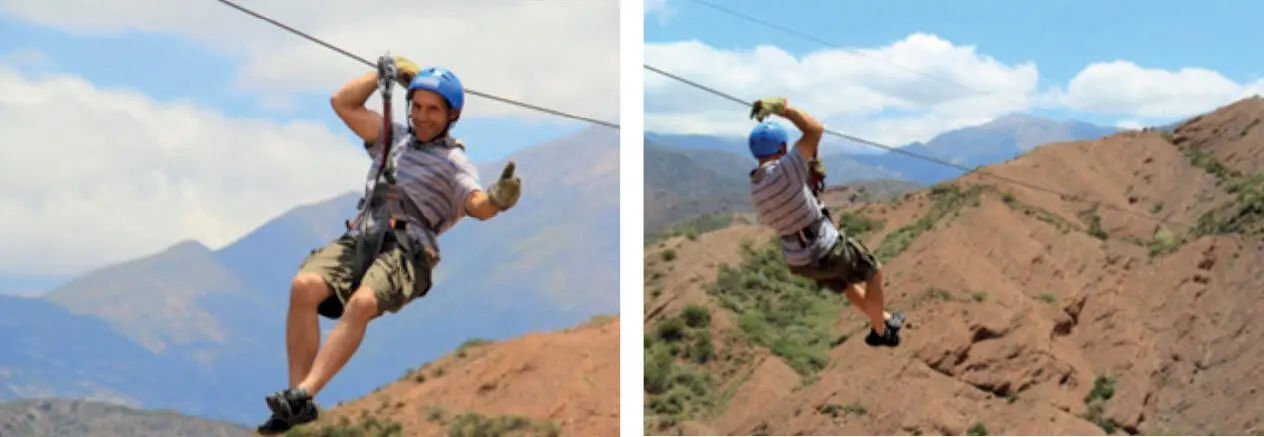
x: 479, y: 205
x: 348, y: 103
x: 812, y: 131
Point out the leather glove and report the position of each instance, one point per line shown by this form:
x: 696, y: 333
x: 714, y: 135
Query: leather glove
x: 817, y: 166
x: 407, y: 69
x: 505, y: 192
x: 767, y: 106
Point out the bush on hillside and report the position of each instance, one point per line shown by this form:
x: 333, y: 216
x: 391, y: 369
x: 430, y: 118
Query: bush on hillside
x: 677, y: 388
x: 948, y: 199
x: 786, y: 313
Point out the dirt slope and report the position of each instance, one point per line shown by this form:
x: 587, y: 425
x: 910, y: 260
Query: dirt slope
x: 543, y: 384
x: 1029, y: 313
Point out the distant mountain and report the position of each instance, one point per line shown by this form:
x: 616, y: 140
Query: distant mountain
x: 994, y: 142
x: 839, y: 168
x: 990, y: 143
x: 18, y: 284
x: 682, y: 183
x: 210, y: 324
x: 66, y: 417
x: 691, y: 175
x: 735, y: 144
x: 47, y: 351
x: 699, y: 178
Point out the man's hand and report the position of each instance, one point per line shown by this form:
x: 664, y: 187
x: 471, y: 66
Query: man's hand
x: 407, y: 69
x: 767, y: 106
x: 504, y: 193
x: 817, y: 166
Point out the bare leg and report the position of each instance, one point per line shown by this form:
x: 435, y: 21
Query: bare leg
x: 856, y: 295
x: 343, y: 341
x: 874, y: 307
x: 302, y: 328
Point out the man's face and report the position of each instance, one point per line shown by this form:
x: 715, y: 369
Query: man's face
x: 429, y: 114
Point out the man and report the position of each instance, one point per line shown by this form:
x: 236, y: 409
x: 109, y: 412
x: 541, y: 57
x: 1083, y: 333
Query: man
x: 384, y: 261
x: 812, y: 246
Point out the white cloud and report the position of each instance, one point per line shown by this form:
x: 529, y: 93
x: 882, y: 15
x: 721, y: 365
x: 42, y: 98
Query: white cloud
x: 1126, y: 89
x: 1130, y: 124
x: 912, y: 90
x: 660, y: 10
x: 895, y: 94
x: 93, y: 176
x: 563, y: 55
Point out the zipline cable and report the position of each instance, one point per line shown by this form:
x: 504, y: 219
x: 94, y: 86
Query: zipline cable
x: 372, y: 65
x: 980, y: 171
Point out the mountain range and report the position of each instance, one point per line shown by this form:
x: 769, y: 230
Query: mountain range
x: 687, y: 175
x: 201, y: 330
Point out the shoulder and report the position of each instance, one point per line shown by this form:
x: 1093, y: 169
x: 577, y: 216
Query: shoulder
x: 456, y: 151
x: 400, y: 132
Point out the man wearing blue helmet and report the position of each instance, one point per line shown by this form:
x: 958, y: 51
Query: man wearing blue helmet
x: 383, y: 261
x: 812, y: 246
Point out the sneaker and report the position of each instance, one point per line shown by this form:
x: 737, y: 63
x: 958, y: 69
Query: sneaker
x: 273, y: 426
x: 292, y: 407
x: 890, y: 338
x: 896, y: 321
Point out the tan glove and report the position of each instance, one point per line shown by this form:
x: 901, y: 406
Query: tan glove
x: 817, y: 167
x: 407, y: 69
x: 505, y: 192
x: 767, y: 106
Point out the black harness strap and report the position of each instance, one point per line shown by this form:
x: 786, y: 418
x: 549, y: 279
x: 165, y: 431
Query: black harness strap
x: 817, y: 185
x: 369, y: 243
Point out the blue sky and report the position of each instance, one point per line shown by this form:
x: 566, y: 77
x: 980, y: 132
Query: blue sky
x: 1061, y: 37
x: 169, y: 67
x: 206, y: 122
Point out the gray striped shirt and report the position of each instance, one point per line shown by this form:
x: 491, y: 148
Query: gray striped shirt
x: 784, y: 202
x: 435, y: 178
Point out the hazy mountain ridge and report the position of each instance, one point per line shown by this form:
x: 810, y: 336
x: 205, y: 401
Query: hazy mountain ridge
x: 997, y: 141
x: 213, y: 321
x: 73, y: 418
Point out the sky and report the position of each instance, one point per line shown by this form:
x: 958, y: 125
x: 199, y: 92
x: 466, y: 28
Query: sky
x: 898, y: 71
x: 131, y: 125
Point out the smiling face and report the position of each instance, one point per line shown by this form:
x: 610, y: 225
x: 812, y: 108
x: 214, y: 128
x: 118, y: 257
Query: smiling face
x: 430, y: 114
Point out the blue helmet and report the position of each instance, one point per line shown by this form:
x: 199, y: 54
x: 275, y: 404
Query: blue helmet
x: 441, y: 81
x: 766, y: 139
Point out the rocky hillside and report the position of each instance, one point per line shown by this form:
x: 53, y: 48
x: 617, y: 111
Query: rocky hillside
x: 551, y: 384
x: 1029, y: 313
x: 77, y: 418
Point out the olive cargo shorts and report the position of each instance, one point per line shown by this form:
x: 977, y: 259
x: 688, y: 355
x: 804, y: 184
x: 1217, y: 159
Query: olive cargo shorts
x: 394, y: 280
x: 850, y: 262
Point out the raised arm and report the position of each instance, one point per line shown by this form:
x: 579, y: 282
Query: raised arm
x: 812, y: 130
x: 348, y: 103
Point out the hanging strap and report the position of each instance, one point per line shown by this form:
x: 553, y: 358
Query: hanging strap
x: 384, y: 176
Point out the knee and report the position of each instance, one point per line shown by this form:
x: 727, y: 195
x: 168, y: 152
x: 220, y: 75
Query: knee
x: 308, y: 289
x: 362, y: 306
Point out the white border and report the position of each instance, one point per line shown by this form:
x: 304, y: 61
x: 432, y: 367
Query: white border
x: 631, y: 216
